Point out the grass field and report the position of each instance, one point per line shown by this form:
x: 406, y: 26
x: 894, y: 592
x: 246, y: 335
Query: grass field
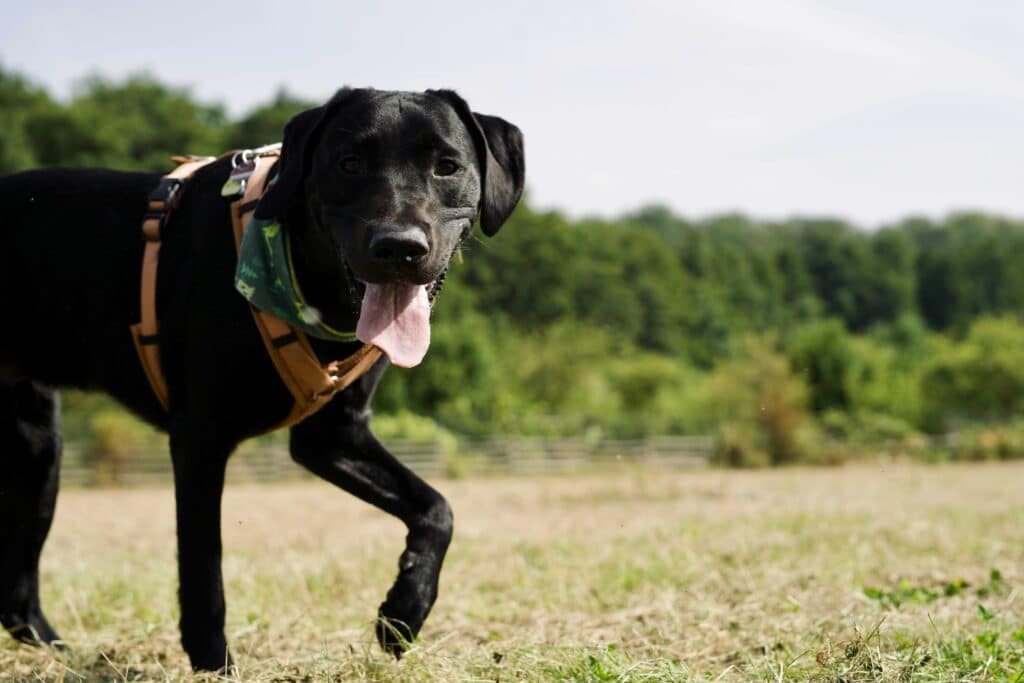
x: 861, y: 573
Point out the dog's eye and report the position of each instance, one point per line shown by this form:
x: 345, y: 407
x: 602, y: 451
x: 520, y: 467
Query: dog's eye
x: 351, y: 164
x: 446, y: 167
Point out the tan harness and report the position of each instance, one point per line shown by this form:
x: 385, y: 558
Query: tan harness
x: 310, y: 384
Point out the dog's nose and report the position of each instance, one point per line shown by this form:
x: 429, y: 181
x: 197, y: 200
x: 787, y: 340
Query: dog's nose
x: 396, y: 246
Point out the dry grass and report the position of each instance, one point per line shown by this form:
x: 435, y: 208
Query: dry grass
x: 633, y: 575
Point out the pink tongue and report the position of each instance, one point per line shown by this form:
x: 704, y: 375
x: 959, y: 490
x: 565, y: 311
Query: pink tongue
x: 396, y: 318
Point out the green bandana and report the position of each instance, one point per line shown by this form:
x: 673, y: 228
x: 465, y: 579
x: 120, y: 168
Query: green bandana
x: 266, y: 278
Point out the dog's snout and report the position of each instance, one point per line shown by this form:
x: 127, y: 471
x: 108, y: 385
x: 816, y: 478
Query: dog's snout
x: 397, y: 246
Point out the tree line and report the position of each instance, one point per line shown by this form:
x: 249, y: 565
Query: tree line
x: 788, y: 339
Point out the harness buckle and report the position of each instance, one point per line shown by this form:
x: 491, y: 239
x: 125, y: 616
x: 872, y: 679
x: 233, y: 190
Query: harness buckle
x: 166, y: 195
x: 327, y: 391
x: 161, y: 202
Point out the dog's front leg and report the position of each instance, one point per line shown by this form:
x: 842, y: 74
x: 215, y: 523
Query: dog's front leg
x: 200, y: 457
x: 336, y: 444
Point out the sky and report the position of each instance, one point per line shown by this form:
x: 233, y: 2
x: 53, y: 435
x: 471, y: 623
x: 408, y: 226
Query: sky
x: 869, y: 110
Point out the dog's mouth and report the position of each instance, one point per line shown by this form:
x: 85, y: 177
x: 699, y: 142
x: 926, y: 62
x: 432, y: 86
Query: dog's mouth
x: 395, y: 316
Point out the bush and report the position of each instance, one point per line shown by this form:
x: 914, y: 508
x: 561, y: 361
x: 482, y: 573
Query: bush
x: 867, y: 428
x: 820, y: 352
x: 558, y: 378
x: 114, y: 440
x: 650, y: 393
x: 760, y: 407
x: 738, y: 445
x: 992, y: 442
x: 982, y: 378
x: 406, y: 426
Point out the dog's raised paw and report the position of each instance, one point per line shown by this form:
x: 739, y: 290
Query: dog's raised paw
x: 394, y: 636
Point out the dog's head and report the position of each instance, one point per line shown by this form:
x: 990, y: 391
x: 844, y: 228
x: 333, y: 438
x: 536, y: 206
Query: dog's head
x: 391, y: 183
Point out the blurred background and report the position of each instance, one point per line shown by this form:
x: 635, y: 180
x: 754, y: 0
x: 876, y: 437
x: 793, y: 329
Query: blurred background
x: 755, y: 233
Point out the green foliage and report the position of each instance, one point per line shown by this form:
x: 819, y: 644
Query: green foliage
x: 761, y: 406
x: 868, y: 429
x: 981, y: 378
x: 560, y: 378
x: 137, y: 124
x: 114, y: 441
x: 908, y: 592
x: 406, y: 426
x: 651, y: 392
x: 1000, y: 441
x: 457, y: 382
x: 20, y: 102
x: 822, y: 354
x: 967, y: 267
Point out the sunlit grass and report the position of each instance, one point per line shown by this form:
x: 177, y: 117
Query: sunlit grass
x: 863, y: 573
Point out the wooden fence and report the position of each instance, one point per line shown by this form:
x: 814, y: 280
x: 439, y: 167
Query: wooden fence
x: 520, y: 456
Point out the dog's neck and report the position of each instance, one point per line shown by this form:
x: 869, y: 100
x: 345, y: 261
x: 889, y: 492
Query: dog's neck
x: 319, y: 270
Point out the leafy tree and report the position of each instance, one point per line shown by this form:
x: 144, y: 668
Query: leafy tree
x: 821, y: 354
x: 528, y: 276
x: 137, y: 124
x: 20, y: 101
x: 761, y: 405
x: 837, y: 259
x: 979, y: 379
x: 890, y: 285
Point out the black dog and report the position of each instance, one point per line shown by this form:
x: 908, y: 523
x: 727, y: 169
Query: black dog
x: 374, y: 188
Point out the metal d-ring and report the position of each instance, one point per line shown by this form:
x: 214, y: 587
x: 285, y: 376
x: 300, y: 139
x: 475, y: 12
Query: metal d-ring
x: 241, y: 158
x: 247, y: 156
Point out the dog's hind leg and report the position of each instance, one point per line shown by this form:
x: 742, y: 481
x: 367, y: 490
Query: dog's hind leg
x: 30, y: 446
x: 336, y: 444
x: 199, y: 457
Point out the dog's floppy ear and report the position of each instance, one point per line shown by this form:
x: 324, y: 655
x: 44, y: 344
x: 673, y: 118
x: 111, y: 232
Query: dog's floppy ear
x: 499, y: 146
x: 300, y: 134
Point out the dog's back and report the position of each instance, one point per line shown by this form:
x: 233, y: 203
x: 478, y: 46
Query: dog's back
x: 69, y: 268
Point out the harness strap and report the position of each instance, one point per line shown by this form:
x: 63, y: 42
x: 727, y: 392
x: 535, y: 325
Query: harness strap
x: 161, y: 203
x: 310, y: 384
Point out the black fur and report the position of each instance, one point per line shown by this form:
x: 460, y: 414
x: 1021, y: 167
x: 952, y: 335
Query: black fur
x: 499, y: 146
x: 366, y: 164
